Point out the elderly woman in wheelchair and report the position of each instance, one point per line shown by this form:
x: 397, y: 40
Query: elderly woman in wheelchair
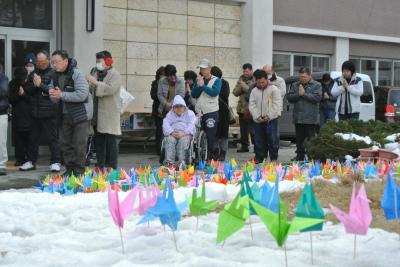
x: 179, y: 127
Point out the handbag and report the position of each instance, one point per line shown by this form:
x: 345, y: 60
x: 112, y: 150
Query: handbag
x: 232, y: 116
x: 126, y: 99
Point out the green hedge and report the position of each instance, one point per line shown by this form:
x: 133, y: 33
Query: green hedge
x: 328, y: 146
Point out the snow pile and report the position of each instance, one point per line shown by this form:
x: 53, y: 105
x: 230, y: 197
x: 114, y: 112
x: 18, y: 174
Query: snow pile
x: 393, y: 137
x: 354, y: 137
x: 40, y: 229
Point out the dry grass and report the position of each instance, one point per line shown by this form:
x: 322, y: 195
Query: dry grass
x: 339, y: 195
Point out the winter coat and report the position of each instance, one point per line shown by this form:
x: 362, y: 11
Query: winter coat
x: 76, y: 99
x: 4, y: 104
x: 153, y: 94
x: 241, y: 92
x: 41, y: 105
x: 265, y: 102
x: 223, y: 101
x: 353, y: 94
x: 21, y: 108
x: 162, y: 92
x: 207, y: 95
x: 107, y: 93
x: 185, y: 123
x: 329, y: 103
x: 306, y: 107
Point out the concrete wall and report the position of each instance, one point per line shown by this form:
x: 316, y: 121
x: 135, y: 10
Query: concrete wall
x: 367, y: 49
x: 358, y: 16
x: 145, y: 34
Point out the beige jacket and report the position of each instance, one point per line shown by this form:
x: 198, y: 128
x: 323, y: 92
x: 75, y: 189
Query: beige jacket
x: 241, y: 92
x: 109, y: 104
x: 267, y: 102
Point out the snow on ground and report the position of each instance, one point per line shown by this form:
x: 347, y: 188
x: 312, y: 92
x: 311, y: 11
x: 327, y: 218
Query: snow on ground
x: 354, y: 137
x: 41, y: 229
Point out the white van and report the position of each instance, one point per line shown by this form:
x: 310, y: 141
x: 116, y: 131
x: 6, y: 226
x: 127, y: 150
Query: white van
x: 286, y: 127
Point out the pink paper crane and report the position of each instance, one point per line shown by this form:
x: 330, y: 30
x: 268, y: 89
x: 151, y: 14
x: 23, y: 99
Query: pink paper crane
x: 120, y: 211
x: 359, y: 218
x: 145, y: 197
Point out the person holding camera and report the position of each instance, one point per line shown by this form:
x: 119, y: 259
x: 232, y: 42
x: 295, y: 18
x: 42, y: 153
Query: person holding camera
x: 306, y: 95
x: 349, y: 88
x: 265, y: 106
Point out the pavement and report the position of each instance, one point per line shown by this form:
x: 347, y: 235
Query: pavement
x: 131, y: 155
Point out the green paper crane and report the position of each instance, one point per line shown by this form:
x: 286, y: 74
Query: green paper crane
x: 233, y: 217
x: 278, y: 224
x: 252, y: 192
x: 309, y: 207
x: 199, y: 206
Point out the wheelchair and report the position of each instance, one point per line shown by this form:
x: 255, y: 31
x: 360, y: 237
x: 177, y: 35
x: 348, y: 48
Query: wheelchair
x: 197, y: 150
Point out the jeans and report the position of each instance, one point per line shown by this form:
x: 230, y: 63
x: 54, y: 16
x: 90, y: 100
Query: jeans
x: 3, y: 141
x: 209, y: 123
x: 73, y: 138
x: 326, y: 115
x: 106, y: 150
x: 175, y: 147
x: 266, y: 140
x: 50, y: 129
x: 351, y: 116
x: 303, y: 132
x: 246, y: 127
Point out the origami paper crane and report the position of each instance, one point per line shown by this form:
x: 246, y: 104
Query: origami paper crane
x: 144, y: 197
x: 233, y: 217
x: 391, y: 200
x: 269, y: 196
x: 165, y: 208
x: 119, y: 211
x: 309, y: 207
x: 199, y: 206
x: 359, y: 218
x: 278, y: 225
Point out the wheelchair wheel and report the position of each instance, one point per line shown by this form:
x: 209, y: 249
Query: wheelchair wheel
x: 162, y: 152
x: 202, y: 147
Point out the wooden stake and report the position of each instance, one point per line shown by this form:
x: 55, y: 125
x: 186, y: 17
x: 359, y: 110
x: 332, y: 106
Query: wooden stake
x: 355, y: 247
x: 285, y: 255
x: 197, y: 223
x: 176, y: 245
x: 312, y: 253
x: 122, y: 241
x: 251, y: 228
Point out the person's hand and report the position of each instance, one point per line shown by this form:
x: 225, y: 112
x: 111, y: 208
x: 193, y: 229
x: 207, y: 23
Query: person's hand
x: 180, y: 134
x: 21, y: 90
x: 168, y: 105
x: 301, y: 90
x: 200, y: 82
x: 91, y: 79
x: 242, y: 83
x: 345, y: 84
x: 37, y: 80
x: 265, y: 119
x: 55, y: 93
x: 326, y: 96
x: 259, y: 119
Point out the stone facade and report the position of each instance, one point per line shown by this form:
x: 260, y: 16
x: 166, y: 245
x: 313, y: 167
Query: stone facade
x: 145, y: 34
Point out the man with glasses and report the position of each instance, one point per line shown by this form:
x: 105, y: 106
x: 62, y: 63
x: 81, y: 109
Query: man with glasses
x: 44, y: 120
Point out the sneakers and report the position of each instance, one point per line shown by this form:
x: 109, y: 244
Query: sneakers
x: 3, y: 171
x: 27, y: 166
x: 55, y: 167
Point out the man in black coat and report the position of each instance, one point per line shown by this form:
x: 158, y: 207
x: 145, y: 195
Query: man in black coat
x: 21, y: 115
x: 3, y: 121
x: 44, y: 113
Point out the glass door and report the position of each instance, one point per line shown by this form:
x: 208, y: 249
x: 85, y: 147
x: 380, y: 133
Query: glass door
x: 2, y: 54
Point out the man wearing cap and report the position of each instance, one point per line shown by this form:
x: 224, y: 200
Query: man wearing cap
x: 206, y: 89
x: 105, y: 84
x: 44, y: 116
x: 178, y: 126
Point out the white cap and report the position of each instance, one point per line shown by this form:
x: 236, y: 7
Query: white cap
x: 204, y: 63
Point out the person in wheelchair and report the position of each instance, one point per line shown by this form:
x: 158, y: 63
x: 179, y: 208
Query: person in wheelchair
x: 178, y: 127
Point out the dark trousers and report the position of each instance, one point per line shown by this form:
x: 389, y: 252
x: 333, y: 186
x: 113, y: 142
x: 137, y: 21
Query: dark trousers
x: 303, y: 132
x: 351, y: 116
x: 73, y: 138
x: 22, y: 142
x: 246, y: 127
x: 107, y: 150
x: 49, y: 128
x: 209, y: 122
x: 159, y: 133
x: 266, y: 140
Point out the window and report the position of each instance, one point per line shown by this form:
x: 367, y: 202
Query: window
x: 369, y: 67
x: 2, y: 55
x: 385, y: 73
x: 396, y: 71
x: 320, y: 64
x: 281, y: 63
x: 367, y: 97
x: 33, y: 14
x: 301, y: 61
x: 394, y: 97
x: 21, y: 48
x: 357, y: 63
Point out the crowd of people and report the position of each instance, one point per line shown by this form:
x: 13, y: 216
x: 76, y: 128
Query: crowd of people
x: 52, y: 98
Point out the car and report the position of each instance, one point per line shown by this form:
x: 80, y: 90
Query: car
x: 286, y: 127
x: 387, y: 103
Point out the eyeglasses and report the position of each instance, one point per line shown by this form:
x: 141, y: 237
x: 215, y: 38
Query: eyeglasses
x: 55, y: 62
